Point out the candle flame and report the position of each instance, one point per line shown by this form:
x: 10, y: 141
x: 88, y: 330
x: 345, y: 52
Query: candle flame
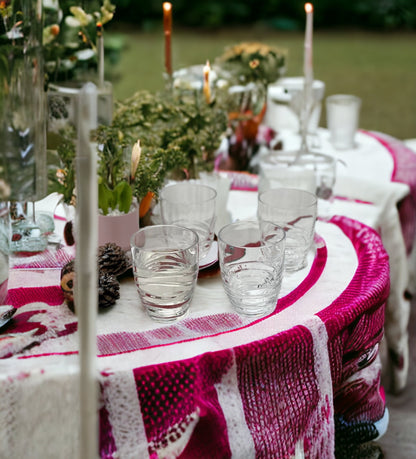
x: 167, y: 6
x: 206, y: 88
x: 206, y: 67
x: 308, y: 7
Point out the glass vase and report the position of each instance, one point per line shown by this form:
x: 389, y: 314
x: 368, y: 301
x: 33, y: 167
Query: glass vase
x: 22, y: 101
x: 22, y: 114
x: 246, y: 106
x: 4, y: 250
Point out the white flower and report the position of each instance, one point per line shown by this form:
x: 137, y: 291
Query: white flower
x: 79, y: 14
x: 135, y: 158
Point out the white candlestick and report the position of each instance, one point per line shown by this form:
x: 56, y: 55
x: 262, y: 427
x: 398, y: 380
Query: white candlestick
x: 308, y: 66
x: 86, y: 286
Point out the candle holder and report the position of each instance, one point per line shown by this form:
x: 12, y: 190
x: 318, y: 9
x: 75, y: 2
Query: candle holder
x: 305, y: 115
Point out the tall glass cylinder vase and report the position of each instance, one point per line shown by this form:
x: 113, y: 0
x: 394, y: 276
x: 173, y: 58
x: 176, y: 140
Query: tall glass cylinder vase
x: 22, y: 105
x: 4, y: 250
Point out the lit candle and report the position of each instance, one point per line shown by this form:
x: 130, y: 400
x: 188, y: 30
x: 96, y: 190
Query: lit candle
x: 207, y: 89
x: 86, y: 290
x: 167, y: 27
x: 307, y: 67
x: 100, y: 54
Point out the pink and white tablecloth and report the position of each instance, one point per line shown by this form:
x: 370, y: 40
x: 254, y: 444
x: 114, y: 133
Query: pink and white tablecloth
x: 301, y: 382
x: 380, y: 170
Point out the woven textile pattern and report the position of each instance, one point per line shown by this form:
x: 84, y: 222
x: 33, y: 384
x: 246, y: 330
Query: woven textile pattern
x: 310, y: 387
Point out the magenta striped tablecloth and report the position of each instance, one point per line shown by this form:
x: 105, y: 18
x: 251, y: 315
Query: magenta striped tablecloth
x: 305, y: 379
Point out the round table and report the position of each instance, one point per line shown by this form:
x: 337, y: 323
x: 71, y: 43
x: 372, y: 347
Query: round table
x: 303, y: 380
x: 375, y: 184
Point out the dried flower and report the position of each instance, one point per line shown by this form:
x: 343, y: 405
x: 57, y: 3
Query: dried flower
x: 60, y: 176
x: 135, y: 158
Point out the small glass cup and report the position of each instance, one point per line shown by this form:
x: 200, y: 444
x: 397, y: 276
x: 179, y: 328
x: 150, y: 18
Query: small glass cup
x: 342, y: 115
x: 313, y: 172
x: 251, y: 257
x: 295, y: 211
x: 165, y: 266
x: 191, y: 205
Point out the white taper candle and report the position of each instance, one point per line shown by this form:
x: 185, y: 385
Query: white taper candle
x: 308, y: 65
x: 86, y: 286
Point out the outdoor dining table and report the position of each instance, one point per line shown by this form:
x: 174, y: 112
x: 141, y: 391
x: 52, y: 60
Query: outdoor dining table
x: 380, y: 170
x: 303, y: 381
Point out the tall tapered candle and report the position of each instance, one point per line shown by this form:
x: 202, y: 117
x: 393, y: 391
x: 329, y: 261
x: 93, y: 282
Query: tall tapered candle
x: 206, y: 87
x: 100, y: 54
x: 308, y: 66
x: 86, y: 290
x: 167, y: 27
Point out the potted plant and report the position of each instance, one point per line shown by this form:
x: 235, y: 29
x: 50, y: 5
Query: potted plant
x: 153, y: 136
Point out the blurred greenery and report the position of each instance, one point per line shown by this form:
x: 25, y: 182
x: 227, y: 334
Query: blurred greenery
x: 379, y: 67
x: 281, y: 14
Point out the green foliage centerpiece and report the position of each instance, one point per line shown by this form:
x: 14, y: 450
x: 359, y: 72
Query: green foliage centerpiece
x: 153, y: 136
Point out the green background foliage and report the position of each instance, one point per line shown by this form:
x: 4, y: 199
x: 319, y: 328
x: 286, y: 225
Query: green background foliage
x: 280, y: 14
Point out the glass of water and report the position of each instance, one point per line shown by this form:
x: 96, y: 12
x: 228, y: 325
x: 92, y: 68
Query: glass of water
x: 343, y: 117
x: 251, y: 257
x: 294, y: 210
x: 165, y: 266
x: 191, y: 205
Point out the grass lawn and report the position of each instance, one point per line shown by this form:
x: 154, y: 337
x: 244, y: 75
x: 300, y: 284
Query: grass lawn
x: 378, y: 67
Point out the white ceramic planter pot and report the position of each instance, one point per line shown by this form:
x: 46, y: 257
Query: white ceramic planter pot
x: 118, y: 228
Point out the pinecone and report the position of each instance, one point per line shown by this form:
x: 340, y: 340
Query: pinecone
x: 108, y: 287
x: 112, y: 259
x: 67, y: 283
x: 108, y: 290
x: 58, y: 108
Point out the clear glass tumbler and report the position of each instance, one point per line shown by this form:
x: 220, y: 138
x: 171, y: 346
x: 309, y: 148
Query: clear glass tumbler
x: 343, y: 115
x: 191, y: 205
x: 165, y: 266
x: 294, y: 210
x: 251, y: 257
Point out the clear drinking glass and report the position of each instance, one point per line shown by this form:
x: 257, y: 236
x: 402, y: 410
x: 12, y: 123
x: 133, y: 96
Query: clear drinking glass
x: 342, y: 115
x: 313, y: 172
x: 295, y: 211
x: 286, y: 102
x: 251, y: 257
x: 165, y: 266
x: 191, y: 205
